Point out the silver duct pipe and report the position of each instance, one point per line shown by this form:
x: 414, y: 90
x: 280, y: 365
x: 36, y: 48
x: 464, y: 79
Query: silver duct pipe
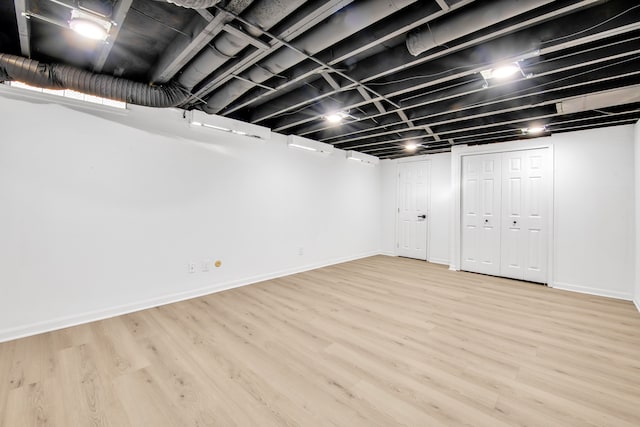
x: 193, y: 4
x: 264, y: 14
x: 56, y: 76
x: 341, y: 25
x: 467, y: 22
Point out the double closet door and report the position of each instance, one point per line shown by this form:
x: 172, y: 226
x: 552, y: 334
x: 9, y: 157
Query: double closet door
x: 504, y: 214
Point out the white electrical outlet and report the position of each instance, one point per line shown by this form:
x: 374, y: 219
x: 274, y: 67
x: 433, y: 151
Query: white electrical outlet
x: 301, y: 251
x: 206, y: 265
x: 192, y: 267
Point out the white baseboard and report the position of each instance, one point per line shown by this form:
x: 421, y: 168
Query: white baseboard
x: 78, y: 319
x: 387, y: 253
x: 593, y: 291
x: 439, y: 261
x: 637, y: 303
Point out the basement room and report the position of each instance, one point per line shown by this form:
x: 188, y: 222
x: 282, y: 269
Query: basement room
x: 319, y: 213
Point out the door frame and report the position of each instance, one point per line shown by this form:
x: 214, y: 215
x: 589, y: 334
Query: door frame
x: 457, y: 153
x: 423, y: 158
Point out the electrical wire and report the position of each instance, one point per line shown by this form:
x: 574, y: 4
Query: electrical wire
x: 425, y: 76
x: 592, y: 27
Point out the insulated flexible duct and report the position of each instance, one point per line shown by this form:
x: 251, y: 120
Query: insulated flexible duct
x: 56, y: 76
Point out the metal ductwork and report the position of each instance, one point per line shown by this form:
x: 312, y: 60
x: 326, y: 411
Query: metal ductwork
x: 56, y: 76
x: 193, y: 4
x: 264, y: 14
x: 467, y: 22
x: 341, y: 25
x: 604, y: 99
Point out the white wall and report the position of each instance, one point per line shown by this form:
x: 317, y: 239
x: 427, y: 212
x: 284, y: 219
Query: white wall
x: 636, y: 298
x: 440, y: 213
x: 101, y: 213
x: 594, y: 211
x: 388, y: 205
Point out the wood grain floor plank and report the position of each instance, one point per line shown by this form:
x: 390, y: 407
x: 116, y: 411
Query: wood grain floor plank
x: 381, y: 341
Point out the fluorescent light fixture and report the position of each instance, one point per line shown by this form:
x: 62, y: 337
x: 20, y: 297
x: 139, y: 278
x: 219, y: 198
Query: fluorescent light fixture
x: 89, y: 25
x: 309, y: 144
x: 501, y: 72
x: 200, y: 119
x: 362, y: 158
x: 534, y: 130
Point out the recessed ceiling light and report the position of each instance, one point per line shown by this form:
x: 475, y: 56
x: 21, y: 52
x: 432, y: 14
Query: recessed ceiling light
x: 88, y: 25
x: 411, y: 146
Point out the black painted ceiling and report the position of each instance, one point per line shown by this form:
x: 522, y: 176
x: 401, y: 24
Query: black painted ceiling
x: 306, y: 59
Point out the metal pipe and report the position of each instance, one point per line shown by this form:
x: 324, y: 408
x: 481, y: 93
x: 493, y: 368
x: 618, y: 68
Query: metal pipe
x: 343, y: 24
x: 264, y: 14
x: 467, y: 22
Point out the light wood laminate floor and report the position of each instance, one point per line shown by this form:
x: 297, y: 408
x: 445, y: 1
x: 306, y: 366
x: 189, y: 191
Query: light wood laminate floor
x: 377, y: 342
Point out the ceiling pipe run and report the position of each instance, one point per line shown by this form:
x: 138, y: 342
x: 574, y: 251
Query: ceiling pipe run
x: 468, y: 21
x: 341, y: 25
x: 264, y: 14
x: 193, y: 4
x: 58, y: 77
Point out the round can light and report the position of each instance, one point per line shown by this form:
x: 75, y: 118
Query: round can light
x: 88, y: 28
x: 411, y: 146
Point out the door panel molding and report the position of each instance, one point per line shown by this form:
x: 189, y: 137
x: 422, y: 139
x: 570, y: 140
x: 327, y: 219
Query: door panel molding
x: 457, y: 154
x: 413, y: 201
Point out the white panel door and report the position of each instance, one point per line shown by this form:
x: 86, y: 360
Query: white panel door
x: 524, y: 218
x: 481, y: 186
x: 536, y: 184
x: 413, y: 205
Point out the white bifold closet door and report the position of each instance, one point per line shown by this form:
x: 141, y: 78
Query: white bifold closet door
x: 481, y: 213
x: 504, y: 214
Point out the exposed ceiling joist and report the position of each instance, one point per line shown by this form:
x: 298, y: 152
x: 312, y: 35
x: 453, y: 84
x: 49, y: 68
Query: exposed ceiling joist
x: 378, y: 64
x: 183, y: 50
x: 118, y: 17
x: 569, y: 75
x: 368, y: 97
x: 289, y: 123
x: 23, y: 27
x: 340, y: 54
x: 443, y: 4
x: 287, y: 65
x: 286, y: 35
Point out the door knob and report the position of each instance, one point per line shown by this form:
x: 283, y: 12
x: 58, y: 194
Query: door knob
x: 422, y: 216
x: 515, y: 222
x: 486, y: 221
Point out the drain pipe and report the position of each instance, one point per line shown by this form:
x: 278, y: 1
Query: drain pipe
x: 341, y: 25
x: 467, y: 22
x: 264, y: 14
x: 56, y: 76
